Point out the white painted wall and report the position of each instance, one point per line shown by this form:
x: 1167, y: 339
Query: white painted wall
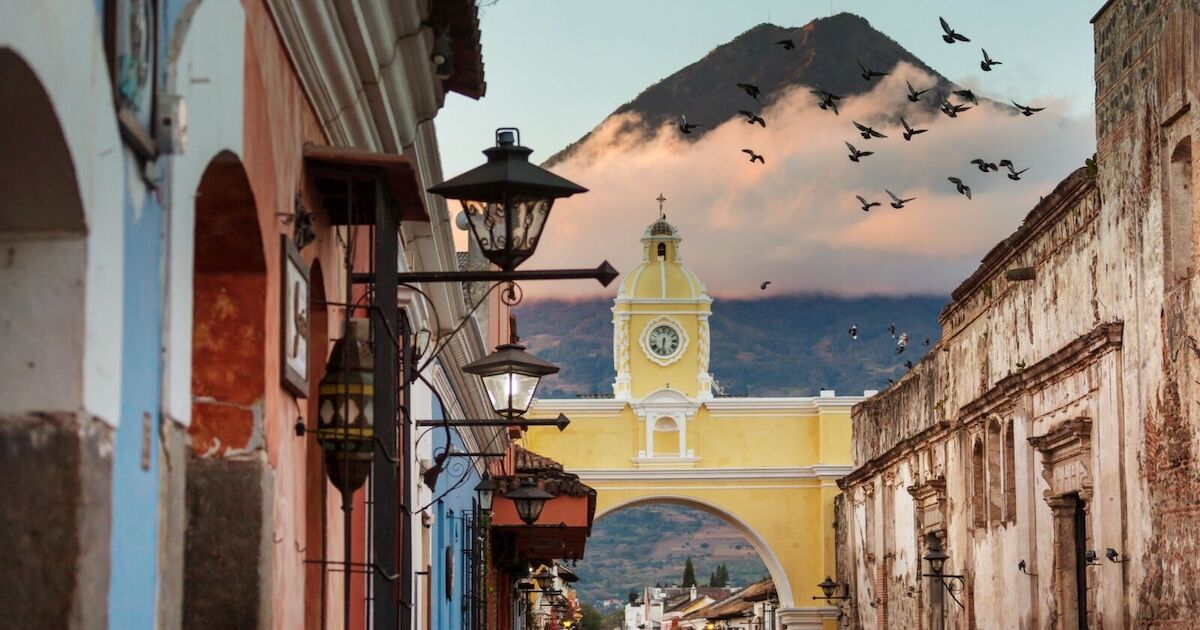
x: 60, y: 40
x: 205, y: 68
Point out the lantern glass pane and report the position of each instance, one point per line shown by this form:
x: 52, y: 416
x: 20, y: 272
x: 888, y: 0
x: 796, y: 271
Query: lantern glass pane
x: 529, y: 509
x: 510, y: 393
x: 508, y: 233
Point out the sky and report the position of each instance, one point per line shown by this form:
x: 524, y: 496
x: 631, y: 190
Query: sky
x: 557, y: 68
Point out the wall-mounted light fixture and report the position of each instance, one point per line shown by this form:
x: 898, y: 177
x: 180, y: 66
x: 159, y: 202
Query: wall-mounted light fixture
x: 1022, y: 567
x: 937, y: 562
x: 529, y: 500
x: 1090, y: 557
x: 829, y: 590
x: 1114, y: 556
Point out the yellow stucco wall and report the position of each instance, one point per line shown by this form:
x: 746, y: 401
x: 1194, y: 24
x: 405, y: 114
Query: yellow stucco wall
x: 767, y: 466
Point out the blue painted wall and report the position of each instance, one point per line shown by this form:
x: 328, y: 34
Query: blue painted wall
x: 132, y: 581
x: 458, y: 486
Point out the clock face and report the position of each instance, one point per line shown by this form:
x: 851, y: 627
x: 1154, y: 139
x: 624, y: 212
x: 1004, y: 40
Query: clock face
x: 663, y: 340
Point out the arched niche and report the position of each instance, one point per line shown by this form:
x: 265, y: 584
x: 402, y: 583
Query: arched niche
x: 768, y: 556
x: 43, y: 252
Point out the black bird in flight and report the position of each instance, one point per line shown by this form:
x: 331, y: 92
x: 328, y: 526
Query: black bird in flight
x: 752, y: 118
x: 1025, y: 110
x: 754, y: 157
x: 967, y: 95
x: 914, y: 94
x: 855, y: 153
x: 987, y: 62
x: 867, y: 205
x: 866, y: 132
x: 1013, y: 173
x: 952, y: 110
x: 828, y: 100
x: 927, y: 341
x: 763, y: 286
x: 984, y: 166
x: 949, y: 35
x: 787, y: 44
x: 853, y: 331
x: 892, y: 329
x: 751, y: 89
x: 909, y: 132
x: 908, y: 364
x: 868, y: 74
x: 686, y: 127
x: 897, y: 202
x: 962, y: 188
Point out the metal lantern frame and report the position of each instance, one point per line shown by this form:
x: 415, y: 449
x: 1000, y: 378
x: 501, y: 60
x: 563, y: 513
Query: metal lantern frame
x: 507, y: 200
x: 511, y: 377
x: 345, y: 408
x: 485, y: 491
x: 529, y: 500
x: 937, y: 557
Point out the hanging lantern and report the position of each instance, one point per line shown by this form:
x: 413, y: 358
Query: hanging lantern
x: 486, y: 491
x: 506, y: 201
x: 345, y: 409
x: 510, y: 376
x: 529, y: 499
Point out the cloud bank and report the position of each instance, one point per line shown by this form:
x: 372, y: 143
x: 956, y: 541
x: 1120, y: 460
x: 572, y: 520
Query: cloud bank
x: 795, y: 220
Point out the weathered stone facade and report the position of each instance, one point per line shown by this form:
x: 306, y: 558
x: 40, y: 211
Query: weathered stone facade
x: 1058, y: 416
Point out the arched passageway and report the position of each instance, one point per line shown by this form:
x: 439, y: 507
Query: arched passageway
x: 229, y: 484
x: 56, y: 457
x: 768, y: 557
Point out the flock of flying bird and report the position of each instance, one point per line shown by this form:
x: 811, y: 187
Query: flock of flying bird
x: 829, y: 101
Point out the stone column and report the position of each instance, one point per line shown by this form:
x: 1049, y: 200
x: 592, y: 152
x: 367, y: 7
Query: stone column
x: 1064, y: 582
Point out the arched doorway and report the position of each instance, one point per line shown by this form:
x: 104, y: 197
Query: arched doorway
x: 229, y: 485
x: 56, y: 462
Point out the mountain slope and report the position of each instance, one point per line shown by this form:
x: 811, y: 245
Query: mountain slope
x: 826, y: 55
x: 791, y: 345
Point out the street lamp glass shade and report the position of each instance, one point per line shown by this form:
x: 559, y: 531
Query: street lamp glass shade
x: 510, y: 376
x: 507, y: 200
x: 529, y: 500
x: 936, y: 559
x: 486, y: 491
x: 828, y: 587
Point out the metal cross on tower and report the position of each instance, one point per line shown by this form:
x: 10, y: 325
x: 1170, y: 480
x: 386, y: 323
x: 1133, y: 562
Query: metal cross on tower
x: 660, y: 200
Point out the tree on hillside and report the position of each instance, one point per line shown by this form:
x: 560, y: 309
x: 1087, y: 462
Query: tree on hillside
x: 633, y: 597
x: 712, y: 579
x: 722, y: 575
x: 689, y: 574
x: 591, y: 620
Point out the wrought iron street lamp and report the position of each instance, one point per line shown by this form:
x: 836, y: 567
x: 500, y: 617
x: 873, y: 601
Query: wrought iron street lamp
x: 936, y: 557
x: 507, y: 200
x: 510, y: 376
x: 345, y: 409
x: 828, y: 588
x: 485, y: 490
x: 529, y: 499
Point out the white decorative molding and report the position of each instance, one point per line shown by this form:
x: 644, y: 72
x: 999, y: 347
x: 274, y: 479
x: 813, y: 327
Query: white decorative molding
x: 663, y: 460
x: 644, y: 340
x: 819, y: 471
x: 622, y: 386
x: 609, y: 408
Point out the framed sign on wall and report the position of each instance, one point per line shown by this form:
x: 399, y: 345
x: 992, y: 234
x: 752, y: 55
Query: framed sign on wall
x: 293, y: 330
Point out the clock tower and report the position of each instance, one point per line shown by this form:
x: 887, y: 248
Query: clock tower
x: 660, y: 323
